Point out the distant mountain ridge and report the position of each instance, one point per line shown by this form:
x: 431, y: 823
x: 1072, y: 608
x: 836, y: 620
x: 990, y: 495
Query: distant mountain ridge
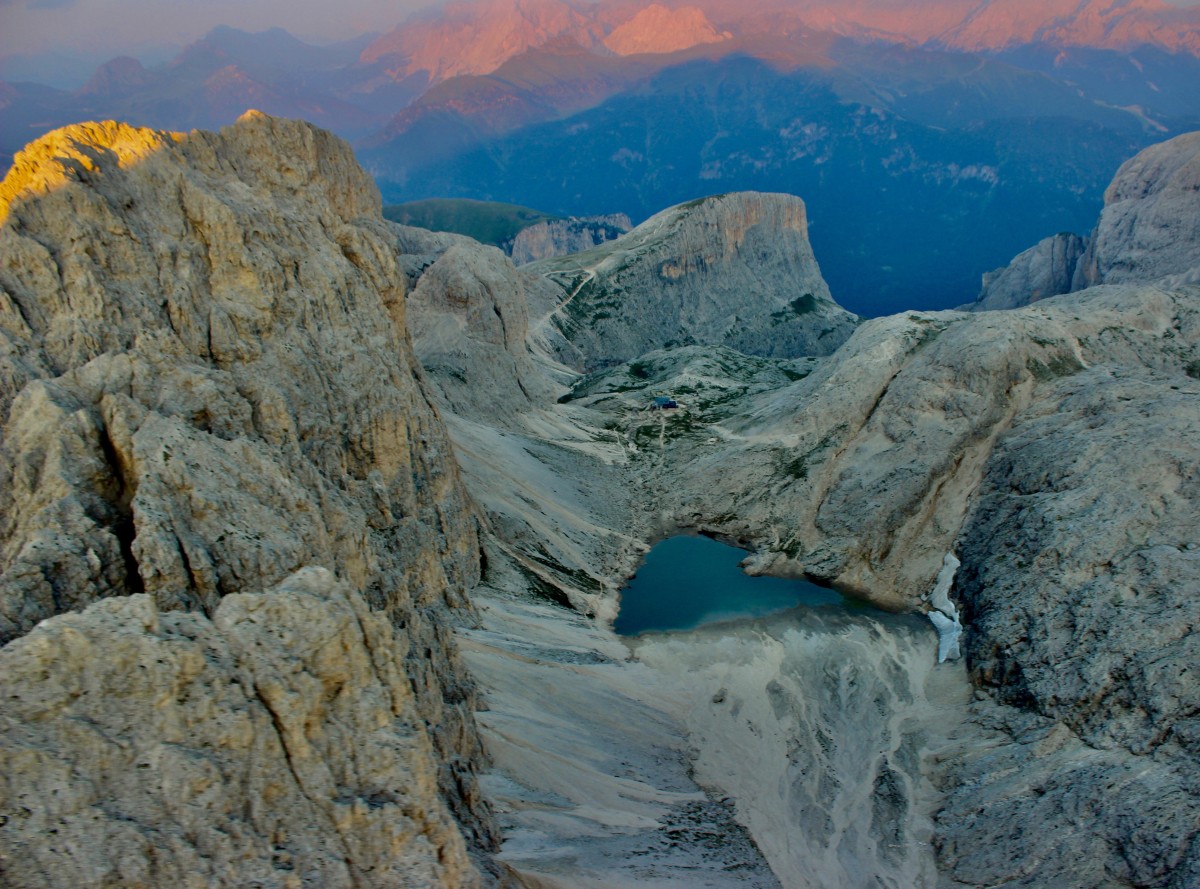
x: 930, y: 147
x: 477, y: 38
x: 354, y: 86
x: 524, y: 234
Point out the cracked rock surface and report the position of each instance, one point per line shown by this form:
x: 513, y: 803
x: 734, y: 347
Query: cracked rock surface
x: 208, y: 387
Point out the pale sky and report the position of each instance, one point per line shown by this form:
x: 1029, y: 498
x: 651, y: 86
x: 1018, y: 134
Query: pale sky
x: 114, y: 26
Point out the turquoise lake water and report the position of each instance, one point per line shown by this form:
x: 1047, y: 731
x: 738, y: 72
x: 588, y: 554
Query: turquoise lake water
x: 687, y: 581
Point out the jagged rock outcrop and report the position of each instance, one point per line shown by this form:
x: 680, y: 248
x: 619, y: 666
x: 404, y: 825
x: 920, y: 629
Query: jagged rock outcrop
x: 208, y: 387
x: 733, y: 270
x: 272, y: 744
x: 1044, y: 270
x: 560, y: 237
x: 469, y: 318
x: 1148, y: 230
x: 1150, y: 225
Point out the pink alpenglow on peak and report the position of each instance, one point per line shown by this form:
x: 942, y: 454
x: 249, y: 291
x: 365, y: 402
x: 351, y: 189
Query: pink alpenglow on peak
x: 657, y: 29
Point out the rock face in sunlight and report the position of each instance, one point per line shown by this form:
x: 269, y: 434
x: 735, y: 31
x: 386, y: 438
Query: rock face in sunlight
x: 657, y: 29
x: 470, y: 38
x: 997, y: 25
x: 208, y: 387
x: 732, y: 270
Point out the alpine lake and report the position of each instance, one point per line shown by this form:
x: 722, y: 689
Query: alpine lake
x: 689, y: 580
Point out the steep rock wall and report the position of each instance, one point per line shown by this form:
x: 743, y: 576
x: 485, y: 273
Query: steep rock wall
x: 560, y: 237
x: 1044, y: 270
x: 1150, y: 225
x: 732, y: 270
x: 1148, y: 230
x: 208, y: 386
x: 469, y: 317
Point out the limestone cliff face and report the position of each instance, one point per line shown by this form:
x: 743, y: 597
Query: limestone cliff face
x: 1079, y: 580
x: 275, y: 744
x: 1150, y: 225
x: 734, y: 270
x: 208, y: 388
x: 560, y: 237
x: 1044, y: 270
x: 469, y: 317
x: 1149, y: 230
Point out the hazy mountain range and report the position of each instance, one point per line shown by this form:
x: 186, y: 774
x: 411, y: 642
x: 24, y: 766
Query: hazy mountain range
x: 930, y: 145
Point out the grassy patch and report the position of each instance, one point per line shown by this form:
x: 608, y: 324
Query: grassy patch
x: 543, y: 589
x: 691, y: 205
x: 796, y: 469
x: 797, y: 308
x: 639, y: 370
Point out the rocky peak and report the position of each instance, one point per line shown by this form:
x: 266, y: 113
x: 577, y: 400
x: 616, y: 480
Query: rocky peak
x: 1046, y: 269
x: 469, y: 318
x: 475, y: 37
x: 72, y: 154
x: 735, y: 270
x: 116, y: 77
x: 211, y: 406
x: 657, y: 29
x: 1150, y: 224
x: 1149, y: 229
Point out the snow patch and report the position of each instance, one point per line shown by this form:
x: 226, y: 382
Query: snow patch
x: 945, y: 617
